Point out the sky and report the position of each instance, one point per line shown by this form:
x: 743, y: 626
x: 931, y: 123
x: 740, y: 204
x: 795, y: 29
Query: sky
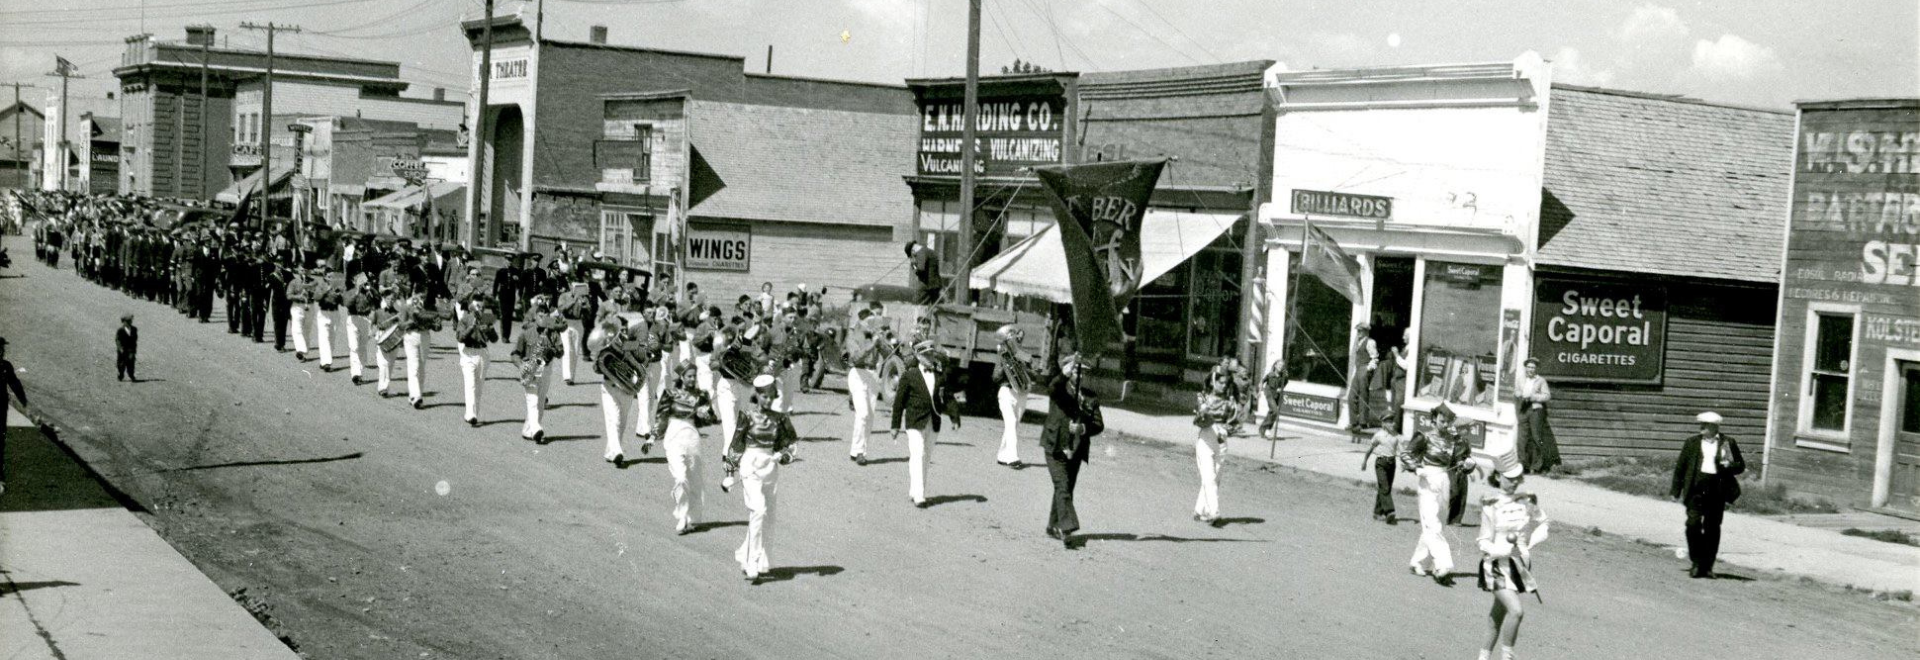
x: 1766, y: 53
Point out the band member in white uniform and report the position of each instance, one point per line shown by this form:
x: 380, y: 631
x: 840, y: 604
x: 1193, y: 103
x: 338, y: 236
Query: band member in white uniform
x: 762, y: 442
x: 682, y: 409
x: 299, y: 302
x: 918, y: 402
x: 536, y: 346
x: 1511, y: 524
x: 864, y: 353
x: 659, y: 349
x: 472, y: 333
x: 1217, y: 407
x: 386, y: 325
x: 620, y: 360
x: 326, y: 303
x: 1013, y: 378
x: 416, y: 321
x: 361, y: 304
x: 1434, y: 456
x: 727, y: 384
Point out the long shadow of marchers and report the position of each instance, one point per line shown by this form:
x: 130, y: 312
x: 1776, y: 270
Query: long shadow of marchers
x: 884, y: 461
x: 571, y: 438
x: 938, y: 500
x: 785, y: 573
x: 1223, y: 522
x: 710, y: 526
x: 290, y: 461
x: 1122, y: 536
x: 11, y: 587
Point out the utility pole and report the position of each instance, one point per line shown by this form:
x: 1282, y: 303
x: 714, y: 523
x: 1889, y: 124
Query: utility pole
x: 22, y: 162
x: 205, y: 119
x: 64, y: 70
x: 480, y: 171
x: 266, y: 120
x: 964, y: 270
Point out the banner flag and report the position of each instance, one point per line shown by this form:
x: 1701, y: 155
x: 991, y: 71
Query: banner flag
x: 62, y: 67
x: 1099, y: 208
x: 1323, y: 258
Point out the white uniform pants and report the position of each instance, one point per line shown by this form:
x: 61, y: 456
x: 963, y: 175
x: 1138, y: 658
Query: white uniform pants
x: 649, y: 391
x: 616, y: 407
x: 568, y: 339
x: 1432, y: 553
x: 297, y: 324
x: 1013, y: 406
x: 864, y: 387
x: 413, y: 343
x: 323, y: 333
x: 703, y: 372
x: 356, y: 336
x: 1209, y: 453
x: 759, y: 482
x: 384, y: 361
x: 473, y: 376
x: 919, y: 454
x: 726, y: 406
x: 536, y: 403
x: 790, y: 379
x: 683, y: 462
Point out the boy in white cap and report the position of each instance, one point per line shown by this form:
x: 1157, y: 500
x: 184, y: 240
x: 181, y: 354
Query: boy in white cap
x: 1705, y: 479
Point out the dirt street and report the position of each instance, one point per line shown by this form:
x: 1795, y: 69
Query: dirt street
x: 319, y: 499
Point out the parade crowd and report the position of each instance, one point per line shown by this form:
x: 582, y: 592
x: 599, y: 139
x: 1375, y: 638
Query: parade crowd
x: 675, y: 367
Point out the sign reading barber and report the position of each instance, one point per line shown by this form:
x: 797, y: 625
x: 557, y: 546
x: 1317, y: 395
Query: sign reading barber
x: 1602, y: 332
x: 712, y: 246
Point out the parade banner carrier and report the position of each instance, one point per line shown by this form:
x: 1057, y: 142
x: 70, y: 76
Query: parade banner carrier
x: 1100, y: 207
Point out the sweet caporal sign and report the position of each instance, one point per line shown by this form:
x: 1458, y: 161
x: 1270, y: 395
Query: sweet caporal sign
x: 1599, y: 331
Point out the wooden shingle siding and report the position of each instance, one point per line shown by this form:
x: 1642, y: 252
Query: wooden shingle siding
x: 1718, y: 353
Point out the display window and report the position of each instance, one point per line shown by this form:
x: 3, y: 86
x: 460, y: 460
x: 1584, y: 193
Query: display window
x: 1460, y: 334
x: 1319, y: 337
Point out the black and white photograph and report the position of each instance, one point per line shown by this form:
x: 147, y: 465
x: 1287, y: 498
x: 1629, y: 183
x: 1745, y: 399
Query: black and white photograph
x: 881, y: 329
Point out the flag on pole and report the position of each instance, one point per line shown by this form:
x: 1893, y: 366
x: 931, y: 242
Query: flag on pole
x: 1098, y: 208
x: 1322, y: 257
x: 62, y: 67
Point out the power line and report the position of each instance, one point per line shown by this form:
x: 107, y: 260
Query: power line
x: 1150, y: 34
x: 115, y: 9
x: 244, y: 10
x: 1177, y: 30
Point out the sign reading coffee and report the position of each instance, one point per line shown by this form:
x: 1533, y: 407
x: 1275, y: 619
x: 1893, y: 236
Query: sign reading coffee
x: 1010, y: 133
x: 719, y: 247
x: 1599, y: 331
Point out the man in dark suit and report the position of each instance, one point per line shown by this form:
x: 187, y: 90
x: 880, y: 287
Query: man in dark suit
x: 1706, y: 480
x: 926, y: 272
x: 919, y: 400
x: 1073, y: 417
x: 506, y: 290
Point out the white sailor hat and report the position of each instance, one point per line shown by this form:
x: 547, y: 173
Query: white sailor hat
x: 1508, y: 465
x: 763, y: 381
x: 1708, y: 417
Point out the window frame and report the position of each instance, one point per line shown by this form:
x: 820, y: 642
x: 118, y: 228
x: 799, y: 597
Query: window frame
x: 1805, y: 435
x: 641, y: 173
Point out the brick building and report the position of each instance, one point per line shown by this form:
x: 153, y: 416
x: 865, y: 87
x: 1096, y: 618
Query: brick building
x: 779, y: 179
x: 20, y: 127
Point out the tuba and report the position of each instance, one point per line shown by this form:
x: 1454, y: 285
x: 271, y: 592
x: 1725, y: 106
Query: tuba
x: 620, y: 365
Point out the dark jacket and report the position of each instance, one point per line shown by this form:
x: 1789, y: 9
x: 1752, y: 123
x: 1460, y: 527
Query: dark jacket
x: 1064, y: 407
x: 1724, y: 486
x: 919, y: 408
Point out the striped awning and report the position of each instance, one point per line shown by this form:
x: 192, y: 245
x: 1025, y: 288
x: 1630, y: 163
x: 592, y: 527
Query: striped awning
x: 1037, y: 267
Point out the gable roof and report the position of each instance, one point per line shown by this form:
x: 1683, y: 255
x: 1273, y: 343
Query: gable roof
x: 803, y: 164
x: 1664, y: 185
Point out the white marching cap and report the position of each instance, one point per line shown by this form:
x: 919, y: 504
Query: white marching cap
x: 763, y: 381
x: 1708, y: 417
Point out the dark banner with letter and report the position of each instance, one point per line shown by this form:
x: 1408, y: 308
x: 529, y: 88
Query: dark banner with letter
x: 1099, y: 207
x: 1600, y: 332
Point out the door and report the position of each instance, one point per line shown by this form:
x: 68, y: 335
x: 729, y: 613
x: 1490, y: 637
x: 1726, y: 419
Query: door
x: 1904, y: 492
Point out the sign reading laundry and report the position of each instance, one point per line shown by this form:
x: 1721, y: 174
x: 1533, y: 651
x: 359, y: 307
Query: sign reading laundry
x: 719, y: 247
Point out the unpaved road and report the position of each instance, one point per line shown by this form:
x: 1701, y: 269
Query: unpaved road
x: 319, y: 498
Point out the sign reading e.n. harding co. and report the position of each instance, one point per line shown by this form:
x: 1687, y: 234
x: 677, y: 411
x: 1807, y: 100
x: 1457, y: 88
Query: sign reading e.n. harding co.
x: 1310, y: 406
x: 1316, y: 202
x: 712, y: 246
x: 1606, y: 332
x: 1009, y: 133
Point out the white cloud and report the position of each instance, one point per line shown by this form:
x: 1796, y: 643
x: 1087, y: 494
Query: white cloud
x: 1569, y: 67
x: 1732, y: 57
x: 1651, y: 23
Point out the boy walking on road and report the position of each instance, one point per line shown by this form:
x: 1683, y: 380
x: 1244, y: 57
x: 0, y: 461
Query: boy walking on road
x: 126, y: 344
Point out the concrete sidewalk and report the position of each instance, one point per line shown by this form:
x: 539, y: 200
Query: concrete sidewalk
x: 1747, y: 541
x: 81, y: 577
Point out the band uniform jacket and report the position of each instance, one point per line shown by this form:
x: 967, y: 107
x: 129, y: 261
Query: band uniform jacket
x: 761, y: 428
x: 918, y: 407
x: 1725, y: 486
x: 1065, y: 407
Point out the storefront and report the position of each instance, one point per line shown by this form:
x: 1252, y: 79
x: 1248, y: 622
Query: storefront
x: 1208, y: 119
x: 1846, y: 419
x: 1429, y: 177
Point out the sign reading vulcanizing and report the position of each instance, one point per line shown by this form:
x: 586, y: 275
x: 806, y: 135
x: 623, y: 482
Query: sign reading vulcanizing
x: 1318, y: 202
x: 1600, y: 332
x: 1009, y: 132
x: 712, y: 246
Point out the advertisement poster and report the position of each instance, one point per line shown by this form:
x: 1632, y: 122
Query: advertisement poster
x: 719, y: 247
x: 1509, y: 346
x: 1597, y: 331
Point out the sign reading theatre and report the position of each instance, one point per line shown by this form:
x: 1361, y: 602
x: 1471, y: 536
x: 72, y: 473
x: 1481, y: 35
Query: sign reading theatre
x: 1604, y: 332
x: 1010, y: 133
x: 719, y: 247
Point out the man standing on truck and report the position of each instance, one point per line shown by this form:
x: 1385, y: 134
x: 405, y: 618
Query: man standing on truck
x: 926, y: 273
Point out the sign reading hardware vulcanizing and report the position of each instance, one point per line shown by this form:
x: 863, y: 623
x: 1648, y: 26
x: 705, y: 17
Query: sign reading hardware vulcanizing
x: 1009, y: 132
x: 1600, y: 332
x: 712, y: 246
x: 1317, y: 202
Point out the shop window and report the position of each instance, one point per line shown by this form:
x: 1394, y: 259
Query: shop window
x: 1158, y: 314
x: 1318, y: 341
x: 1459, y: 333
x: 626, y: 159
x: 1831, y: 375
x: 1214, y: 314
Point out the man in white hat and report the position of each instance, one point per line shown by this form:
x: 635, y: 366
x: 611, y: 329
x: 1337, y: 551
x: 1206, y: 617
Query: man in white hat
x: 918, y: 402
x: 1705, y: 479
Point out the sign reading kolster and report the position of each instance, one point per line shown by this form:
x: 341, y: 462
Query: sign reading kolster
x: 1603, y: 332
x: 719, y: 246
x: 1011, y: 133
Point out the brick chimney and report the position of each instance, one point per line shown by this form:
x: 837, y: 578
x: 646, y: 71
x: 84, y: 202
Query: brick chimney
x: 439, y: 93
x: 597, y: 34
x: 200, y: 35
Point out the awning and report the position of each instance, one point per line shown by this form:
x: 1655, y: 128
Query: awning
x: 251, y: 185
x: 1037, y: 266
x: 414, y: 196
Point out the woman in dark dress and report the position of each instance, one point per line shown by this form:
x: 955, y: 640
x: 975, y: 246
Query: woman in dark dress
x: 1538, y: 450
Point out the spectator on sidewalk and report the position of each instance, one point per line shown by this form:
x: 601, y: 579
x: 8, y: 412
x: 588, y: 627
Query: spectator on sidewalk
x: 1385, y: 451
x: 1539, y: 452
x: 1366, y: 362
x: 1274, y: 385
x: 126, y: 346
x: 9, y: 383
x: 1705, y: 479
